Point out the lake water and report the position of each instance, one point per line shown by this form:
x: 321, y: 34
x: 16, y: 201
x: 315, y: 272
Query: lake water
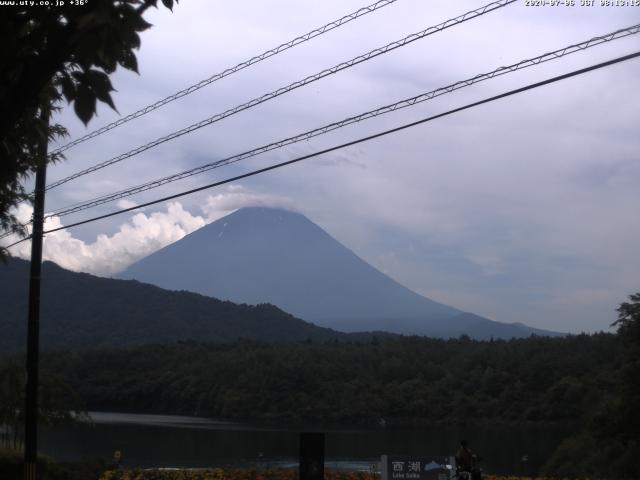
x: 174, y: 441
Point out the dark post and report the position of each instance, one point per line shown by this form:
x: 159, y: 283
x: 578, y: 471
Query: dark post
x: 311, y: 456
x: 33, y: 327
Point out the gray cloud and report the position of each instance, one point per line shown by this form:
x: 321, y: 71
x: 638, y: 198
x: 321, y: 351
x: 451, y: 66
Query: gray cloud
x: 519, y: 210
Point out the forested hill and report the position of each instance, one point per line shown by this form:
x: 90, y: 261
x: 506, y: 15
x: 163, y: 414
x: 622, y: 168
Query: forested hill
x: 408, y: 380
x: 83, y: 311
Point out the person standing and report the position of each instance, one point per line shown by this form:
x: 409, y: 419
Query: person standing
x: 467, y: 461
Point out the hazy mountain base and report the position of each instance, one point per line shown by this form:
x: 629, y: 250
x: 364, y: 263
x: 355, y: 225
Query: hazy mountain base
x: 80, y: 311
x: 258, y: 254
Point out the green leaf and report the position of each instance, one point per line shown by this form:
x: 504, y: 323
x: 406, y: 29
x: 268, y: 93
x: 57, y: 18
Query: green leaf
x: 85, y: 104
x: 109, y: 65
x: 101, y: 86
x: 85, y: 21
x: 134, y: 21
x: 105, y: 97
x: 98, y: 80
x: 129, y: 61
x: 68, y: 88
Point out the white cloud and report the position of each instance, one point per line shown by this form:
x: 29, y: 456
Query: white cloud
x: 125, y: 203
x: 140, y: 236
x: 235, y: 197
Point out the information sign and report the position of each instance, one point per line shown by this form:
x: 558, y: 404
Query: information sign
x: 396, y: 467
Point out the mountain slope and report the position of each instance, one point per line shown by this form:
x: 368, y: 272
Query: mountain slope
x: 83, y: 311
x: 271, y: 255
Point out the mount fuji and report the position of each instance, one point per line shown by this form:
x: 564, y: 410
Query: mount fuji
x: 268, y: 255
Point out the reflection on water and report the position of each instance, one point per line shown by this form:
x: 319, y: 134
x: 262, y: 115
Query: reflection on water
x: 176, y: 421
x: 175, y: 441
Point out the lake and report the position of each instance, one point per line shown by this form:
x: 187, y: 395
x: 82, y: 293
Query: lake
x: 176, y: 441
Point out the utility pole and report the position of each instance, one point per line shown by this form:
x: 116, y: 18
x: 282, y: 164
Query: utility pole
x: 33, y: 325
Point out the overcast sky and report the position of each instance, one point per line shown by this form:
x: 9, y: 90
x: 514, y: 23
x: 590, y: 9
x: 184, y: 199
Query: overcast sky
x: 525, y: 209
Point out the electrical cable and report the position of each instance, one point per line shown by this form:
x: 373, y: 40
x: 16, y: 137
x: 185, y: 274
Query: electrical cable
x: 282, y: 90
x: 351, y: 143
x: 229, y: 71
x: 557, y: 54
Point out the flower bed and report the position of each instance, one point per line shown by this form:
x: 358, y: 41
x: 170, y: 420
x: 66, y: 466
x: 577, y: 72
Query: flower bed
x: 252, y: 474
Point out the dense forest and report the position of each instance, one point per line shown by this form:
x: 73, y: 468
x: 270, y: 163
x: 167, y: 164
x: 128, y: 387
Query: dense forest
x: 589, y: 381
x: 407, y: 380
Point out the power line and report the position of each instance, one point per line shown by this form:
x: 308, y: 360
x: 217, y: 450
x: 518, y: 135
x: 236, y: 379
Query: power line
x: 351, y: 143
x: 229, y: 71
x: 556, y: 54
x: 276, y: 93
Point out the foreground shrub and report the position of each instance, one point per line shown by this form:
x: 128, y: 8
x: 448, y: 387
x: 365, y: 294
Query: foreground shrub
x: 12, y: 468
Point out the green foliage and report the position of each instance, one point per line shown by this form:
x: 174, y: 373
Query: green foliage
x: 609, y: 446
x: 12, y: 467
x: 629, y: 317
x: 587, y: 456
x: 404, y: 380
x: 84, y: 470
x: 11, y: 403
x: 56, y: 401
x: 51, y: 54
x: 629, y: 329
x: 12, y: 463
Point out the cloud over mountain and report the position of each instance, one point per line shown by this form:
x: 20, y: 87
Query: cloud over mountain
x: 141, y: 235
